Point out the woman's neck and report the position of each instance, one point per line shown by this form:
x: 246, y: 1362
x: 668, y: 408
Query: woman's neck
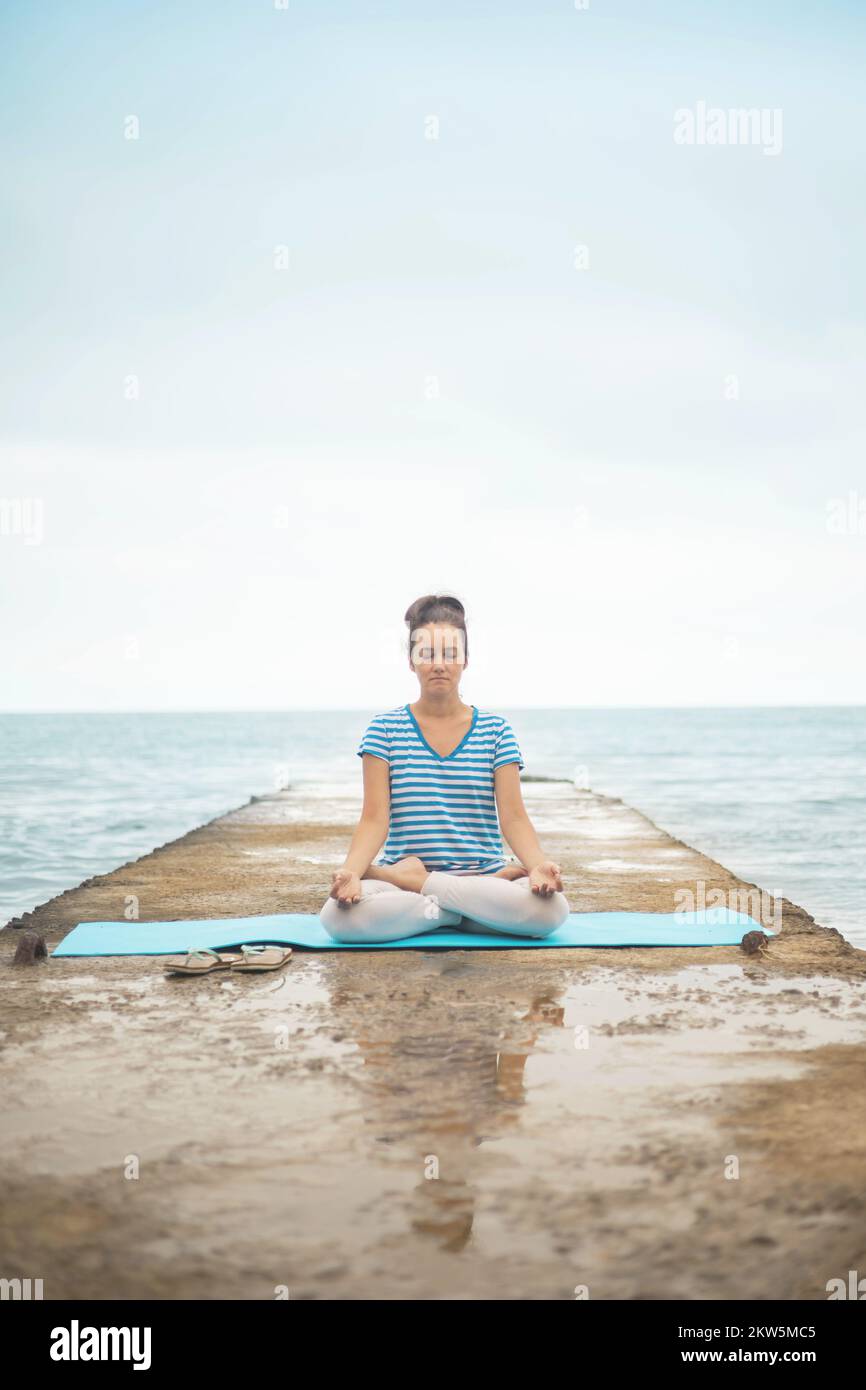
x: 446, y: 706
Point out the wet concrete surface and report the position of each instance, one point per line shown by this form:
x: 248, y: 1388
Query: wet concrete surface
x: 638, y: 1123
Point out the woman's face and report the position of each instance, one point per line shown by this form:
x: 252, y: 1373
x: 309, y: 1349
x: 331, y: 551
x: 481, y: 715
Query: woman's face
x: 438, y: 657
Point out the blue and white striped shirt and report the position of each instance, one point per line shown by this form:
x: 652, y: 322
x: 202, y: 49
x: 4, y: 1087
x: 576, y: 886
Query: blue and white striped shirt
x: 443, y: 809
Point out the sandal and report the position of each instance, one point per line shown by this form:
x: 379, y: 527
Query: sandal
x: 197, y: 963
x: 255, y: 958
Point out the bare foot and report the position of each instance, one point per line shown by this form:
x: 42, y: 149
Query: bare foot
x: 511, y: 871
x: 410, y: 873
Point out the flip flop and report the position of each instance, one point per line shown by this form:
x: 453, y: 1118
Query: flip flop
x: 197, y: 963
x: 255, y: 958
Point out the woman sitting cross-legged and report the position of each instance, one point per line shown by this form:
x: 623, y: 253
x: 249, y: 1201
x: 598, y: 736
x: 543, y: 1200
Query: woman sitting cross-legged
x: 435, y: 775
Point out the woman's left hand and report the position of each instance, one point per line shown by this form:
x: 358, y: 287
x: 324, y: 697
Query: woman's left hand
x: 545, y: 879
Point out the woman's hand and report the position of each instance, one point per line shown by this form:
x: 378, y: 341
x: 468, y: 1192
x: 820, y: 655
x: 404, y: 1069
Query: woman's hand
x: 345, y: 887
x: 545, y: 879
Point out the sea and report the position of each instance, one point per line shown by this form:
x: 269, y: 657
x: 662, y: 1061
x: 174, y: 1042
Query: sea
x: 777, y: 795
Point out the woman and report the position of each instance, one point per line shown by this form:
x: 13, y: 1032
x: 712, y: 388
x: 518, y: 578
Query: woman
x: 435, y: 774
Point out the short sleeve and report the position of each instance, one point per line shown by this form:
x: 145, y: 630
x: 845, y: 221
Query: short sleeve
x: 507, y: 750
x: 376, y: 740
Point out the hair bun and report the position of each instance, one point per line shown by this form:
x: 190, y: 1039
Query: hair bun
x: 423, y: 609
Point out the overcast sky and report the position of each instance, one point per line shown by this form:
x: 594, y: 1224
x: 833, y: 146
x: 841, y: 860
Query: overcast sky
x: 309, y: 311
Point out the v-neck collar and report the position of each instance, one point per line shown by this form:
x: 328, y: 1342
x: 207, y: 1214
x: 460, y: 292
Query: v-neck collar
x: 444, y: 758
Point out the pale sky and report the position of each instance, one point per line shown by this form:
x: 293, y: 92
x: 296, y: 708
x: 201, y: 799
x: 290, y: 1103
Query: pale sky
x: 283, y: 362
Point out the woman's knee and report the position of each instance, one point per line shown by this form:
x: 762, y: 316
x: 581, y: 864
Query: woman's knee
x: 544, y: 915
x: 351, y: 924
x: 337, y: 921
x: 387, y: 918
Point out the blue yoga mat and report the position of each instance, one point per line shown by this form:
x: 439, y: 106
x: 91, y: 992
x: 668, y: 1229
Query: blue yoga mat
x: 717, y: 926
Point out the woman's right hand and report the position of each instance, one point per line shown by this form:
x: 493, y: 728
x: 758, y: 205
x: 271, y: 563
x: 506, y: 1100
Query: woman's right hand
x: 345, y: 887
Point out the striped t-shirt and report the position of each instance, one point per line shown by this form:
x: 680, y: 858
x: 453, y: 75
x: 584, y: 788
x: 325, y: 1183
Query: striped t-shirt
x: 443, y: 809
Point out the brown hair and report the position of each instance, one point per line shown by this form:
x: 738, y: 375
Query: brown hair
x: 437, y: 608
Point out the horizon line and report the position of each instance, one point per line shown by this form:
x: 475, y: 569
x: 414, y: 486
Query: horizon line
x: 362, y: 709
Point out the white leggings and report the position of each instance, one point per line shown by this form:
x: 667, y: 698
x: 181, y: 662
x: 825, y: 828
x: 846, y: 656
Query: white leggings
x: 467, y: 902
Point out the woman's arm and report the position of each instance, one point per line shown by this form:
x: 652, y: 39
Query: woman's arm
x: 544, y: 875
x: 370, y: 832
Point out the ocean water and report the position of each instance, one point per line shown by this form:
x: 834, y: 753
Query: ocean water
x: 776, y: 795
